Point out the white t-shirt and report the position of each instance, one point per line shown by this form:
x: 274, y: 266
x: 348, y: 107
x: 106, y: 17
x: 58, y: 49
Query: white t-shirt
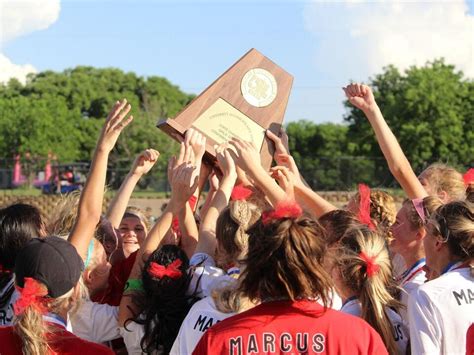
x: 206, y: 276
x: 400, y: 333
x: 202, y: 315
x: 95, y: 322
x: 132, y: 336
x: 440, y: 313
x: 409, y: 281
x: 6, y: 312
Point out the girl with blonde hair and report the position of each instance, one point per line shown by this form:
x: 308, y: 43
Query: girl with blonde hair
x: 363, y: 277
x: 442, y: 310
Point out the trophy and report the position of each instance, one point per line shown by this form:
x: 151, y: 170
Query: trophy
x: 245, y: 101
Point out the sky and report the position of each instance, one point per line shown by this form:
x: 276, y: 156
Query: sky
x: 323, y: 44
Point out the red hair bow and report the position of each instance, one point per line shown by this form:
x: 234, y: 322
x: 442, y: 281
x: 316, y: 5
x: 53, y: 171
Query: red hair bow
x: 31, y: 295
x: 469, y: 177
x: 240, y: 192
x: 364, y: 206
x: 282, y: 210
x: 159, y: 271
x: 371, y: 266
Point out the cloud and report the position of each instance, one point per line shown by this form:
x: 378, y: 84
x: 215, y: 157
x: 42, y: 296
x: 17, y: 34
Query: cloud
x: 358, y: 38
x: 18, y: 18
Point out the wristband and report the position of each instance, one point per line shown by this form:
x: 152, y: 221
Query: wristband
x: 133, y: 285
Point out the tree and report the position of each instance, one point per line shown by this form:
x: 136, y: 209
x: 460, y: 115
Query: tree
x: 431, y: 111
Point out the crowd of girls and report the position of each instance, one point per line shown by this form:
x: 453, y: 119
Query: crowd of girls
x: 259, y: 264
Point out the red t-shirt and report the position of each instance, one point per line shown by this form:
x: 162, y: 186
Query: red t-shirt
x: 302, y: 326
x: 60, y: 340
x: 470, y: 340
x: 118, y: 277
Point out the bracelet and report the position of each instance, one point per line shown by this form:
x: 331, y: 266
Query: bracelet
x: 133, y: 285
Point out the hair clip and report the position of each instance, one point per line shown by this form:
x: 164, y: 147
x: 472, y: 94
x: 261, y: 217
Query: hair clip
x: 171, y: 270
x: 370, y: 265
x: 240, y: 192
x: 419, y: 208
x: 364, y: 206
x: 282, y: 210
x: 468, y: 177
x: 32, y: 294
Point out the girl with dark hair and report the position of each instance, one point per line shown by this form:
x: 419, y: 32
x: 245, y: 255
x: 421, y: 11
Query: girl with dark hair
x: 442, y: 310
x: 284, y: 271
x: 163, y: 301
x: 19, y: 223
x: 155, y: 299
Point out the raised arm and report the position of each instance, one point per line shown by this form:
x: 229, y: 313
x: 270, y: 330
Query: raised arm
x: 304, y: 195
x: 361, y: 96
x: 90, y: 203
x: 248, y: 158
x: 207, y: 233
x: 141, y: 166
x: 183, y: 186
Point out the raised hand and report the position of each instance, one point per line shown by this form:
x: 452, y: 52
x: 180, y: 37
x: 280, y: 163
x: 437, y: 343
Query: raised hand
x: 145, y: 161
x: 286, y: 180
x: 287, y: 161
x: 360, y: 96
x: 184, y: 183
x: 197, y: 142
x: 245, y: 155
x: 115, y: 122
x: 226, y: 163
x: 281, y: 143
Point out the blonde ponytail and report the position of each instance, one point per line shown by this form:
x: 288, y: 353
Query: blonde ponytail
x: 32, y: 329
x: 364, y: 264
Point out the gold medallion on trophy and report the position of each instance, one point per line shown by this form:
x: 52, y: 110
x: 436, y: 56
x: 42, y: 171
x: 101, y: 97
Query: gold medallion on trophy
x: 259, y: 87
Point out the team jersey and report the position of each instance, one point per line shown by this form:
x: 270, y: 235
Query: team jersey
x: 60, y: 340
x: 301, y: 326
x: 441, y: 311
x: 400, y: 332
x: 206, y: 276
x: 202, y: 315
x: 409, y: 281
x: 95, y: 322
x: 8, y: 296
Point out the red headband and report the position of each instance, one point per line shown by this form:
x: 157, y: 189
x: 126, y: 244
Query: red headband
x: 240, y: 192
x: 371, y: 266
x: 469, y: 177
x: 32, y: 294
x: 364, y: 206
x: 282, y: 210
x: 159, y: 271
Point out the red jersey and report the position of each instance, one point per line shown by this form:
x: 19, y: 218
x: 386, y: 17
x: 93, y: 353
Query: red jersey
x: 301, y: 326
x: 60, y: 340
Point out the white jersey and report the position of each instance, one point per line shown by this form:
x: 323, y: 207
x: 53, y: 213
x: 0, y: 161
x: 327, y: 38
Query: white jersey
x: 8, y: 296
x: 202, y: 315
x: 206, y: 276
x: 440, y: 313
x: 95, y: 322
x: 400, y: 333
x: 409, y: 281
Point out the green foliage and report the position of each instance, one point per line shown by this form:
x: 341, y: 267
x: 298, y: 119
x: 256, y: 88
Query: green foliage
x: 429, y: 108
x: 63, y: 113
x: 431, y: 111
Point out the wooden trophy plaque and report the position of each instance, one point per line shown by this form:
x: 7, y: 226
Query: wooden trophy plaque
x: 250, y: 97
